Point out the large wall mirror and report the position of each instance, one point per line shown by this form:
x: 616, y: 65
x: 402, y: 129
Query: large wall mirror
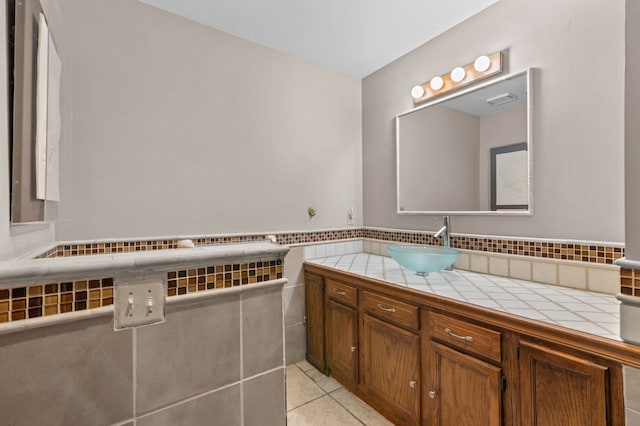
x: 34, y: 70
x: 469, y: 152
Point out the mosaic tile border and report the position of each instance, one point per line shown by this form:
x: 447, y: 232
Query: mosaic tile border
x: 549, y: 250
x: 87, y: 249
x: 33, y: 301
x: 222, y: 276
x: 543, y: 249
x: 630, y: 281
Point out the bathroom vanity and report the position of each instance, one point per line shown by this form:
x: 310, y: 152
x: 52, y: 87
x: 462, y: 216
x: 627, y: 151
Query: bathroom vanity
x: 419, y: 356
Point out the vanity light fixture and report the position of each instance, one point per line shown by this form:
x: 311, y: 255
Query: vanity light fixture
x: 501, y: 99
x: 458, y: 74
x: 484, y: 66
x: 436, y: 83
x: 417, y: 92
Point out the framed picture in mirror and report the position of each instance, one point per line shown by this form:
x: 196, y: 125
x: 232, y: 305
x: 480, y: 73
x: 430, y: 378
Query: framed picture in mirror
x: 509, y: 177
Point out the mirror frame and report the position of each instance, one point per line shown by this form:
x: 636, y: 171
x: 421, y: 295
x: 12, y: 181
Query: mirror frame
x: 529, y: 212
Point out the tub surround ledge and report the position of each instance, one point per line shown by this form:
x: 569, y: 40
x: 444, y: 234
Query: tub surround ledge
x: 32, y: 271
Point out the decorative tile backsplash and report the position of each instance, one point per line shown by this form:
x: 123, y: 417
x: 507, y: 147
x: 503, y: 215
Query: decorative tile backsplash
x: 630, y: 281
x: 222, y: 276
x: 54, y: 298
x: 39, y: 300
x: 544, y: 249
x: 86, y: 249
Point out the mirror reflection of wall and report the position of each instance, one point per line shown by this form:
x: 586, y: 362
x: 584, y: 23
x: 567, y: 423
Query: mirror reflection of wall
x: 443, y: 148
x: 34, y: 97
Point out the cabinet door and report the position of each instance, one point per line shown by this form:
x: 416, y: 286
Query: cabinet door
x: 559, y: 389
x: 391, y: 365
x: 314, y: 305
x: 464, y: 391
x: 342, y: 338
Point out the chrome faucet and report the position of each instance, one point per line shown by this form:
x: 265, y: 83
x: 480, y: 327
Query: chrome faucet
x: 444, y: 231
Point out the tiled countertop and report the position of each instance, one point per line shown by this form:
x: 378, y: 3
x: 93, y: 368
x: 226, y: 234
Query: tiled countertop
x: 581, y: 310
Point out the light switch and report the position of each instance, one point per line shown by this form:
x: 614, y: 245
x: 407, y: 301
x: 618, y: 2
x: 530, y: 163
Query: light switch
x: 138, y: 301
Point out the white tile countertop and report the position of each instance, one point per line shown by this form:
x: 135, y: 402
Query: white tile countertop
x: 590, y: 312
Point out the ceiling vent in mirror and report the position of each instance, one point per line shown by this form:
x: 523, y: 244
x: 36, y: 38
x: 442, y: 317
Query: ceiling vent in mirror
x: 501, y: 99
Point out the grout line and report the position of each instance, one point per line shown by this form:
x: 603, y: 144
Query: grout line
x: 241, y: 302
x: 134, y: 358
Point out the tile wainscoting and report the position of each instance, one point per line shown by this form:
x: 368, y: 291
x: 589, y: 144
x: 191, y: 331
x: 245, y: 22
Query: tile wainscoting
x: 217, y: 359
x: 37, y: 300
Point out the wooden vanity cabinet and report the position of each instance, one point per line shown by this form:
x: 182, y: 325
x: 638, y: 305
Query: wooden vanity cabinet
x: 314, y: 305
x: 461, y: 388
x: 342, y: 342
x: 390, y: 357
x: 559, y: 388
x: 341, y: 328
x: 428, y: 361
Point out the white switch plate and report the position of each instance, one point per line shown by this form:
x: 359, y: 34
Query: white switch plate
x: 138, y: 301
x: 351, y: 213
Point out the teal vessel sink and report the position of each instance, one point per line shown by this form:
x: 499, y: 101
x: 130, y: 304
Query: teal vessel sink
x: 423, y: 259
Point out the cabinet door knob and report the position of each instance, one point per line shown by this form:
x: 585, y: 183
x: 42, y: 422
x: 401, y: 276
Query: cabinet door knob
x: 412, y: 384
x: 432, y: 394
x: 353, y: 348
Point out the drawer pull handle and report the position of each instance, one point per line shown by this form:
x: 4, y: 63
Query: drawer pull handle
x: 392, y: 310
x: 341, y: 293
x: 457, y: 336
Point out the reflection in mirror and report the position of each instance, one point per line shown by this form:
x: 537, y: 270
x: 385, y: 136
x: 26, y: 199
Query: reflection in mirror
x: 446, y: 150
x: 34, y: 71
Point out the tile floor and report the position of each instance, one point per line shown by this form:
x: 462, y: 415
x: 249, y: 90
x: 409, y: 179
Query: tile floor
x: 314, y: 399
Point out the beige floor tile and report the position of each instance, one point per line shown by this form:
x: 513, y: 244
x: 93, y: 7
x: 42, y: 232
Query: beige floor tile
x: 315, y: 375
x: 359, y: 408
x: 300, y: 388
x: 324, y: 411
x: 304, y: 365
x: 329, y: 384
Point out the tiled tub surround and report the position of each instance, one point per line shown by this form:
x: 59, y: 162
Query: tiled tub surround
x: 580, y: 310
x: 218, y: 359
x: 227, y: 266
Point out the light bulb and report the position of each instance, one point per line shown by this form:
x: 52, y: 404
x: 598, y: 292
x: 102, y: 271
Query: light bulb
x: 458, y: 74
x: 436, y: 83
x: 482, y: 63
x: 417, y: 92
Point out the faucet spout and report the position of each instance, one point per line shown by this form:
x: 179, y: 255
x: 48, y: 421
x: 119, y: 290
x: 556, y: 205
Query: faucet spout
x: 444, y: 232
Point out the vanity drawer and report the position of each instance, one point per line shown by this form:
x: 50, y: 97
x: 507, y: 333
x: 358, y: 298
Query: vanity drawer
x: 461, y: 334
x: 342, y: 292
x: 395, y: 311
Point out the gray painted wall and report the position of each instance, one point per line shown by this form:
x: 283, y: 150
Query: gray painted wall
x: 632, y: 131
x: 578, y: 145
x: 179, y: 129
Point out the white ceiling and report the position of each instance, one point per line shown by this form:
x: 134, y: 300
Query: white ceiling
x: 354, y: 37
